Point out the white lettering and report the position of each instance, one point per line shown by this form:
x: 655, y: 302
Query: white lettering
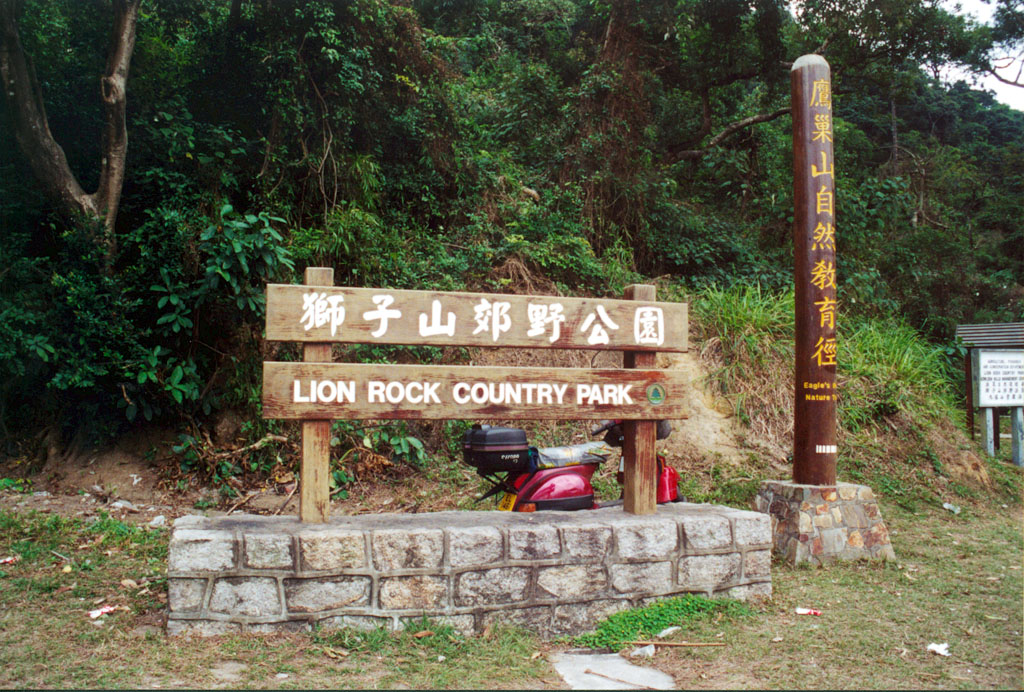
x: 395, y: 392
x: 560, y: 391
x: 297, y: 397
x: 326, y: 391
x: 435, y: 327
x: 544, y: 393
x: 430, y: 393
x: 375, y: 392
x: 382, y: 313
x: 347, y: 392
x: 460, y: 392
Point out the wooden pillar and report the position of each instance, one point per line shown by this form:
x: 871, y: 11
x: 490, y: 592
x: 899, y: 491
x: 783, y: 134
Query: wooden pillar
x: 640, y: 482
x: 969, y: 393
x: 814, y: 425
x: 314, y: 489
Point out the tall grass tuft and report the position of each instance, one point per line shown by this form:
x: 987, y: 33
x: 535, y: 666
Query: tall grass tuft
x: 747, y: 336
x: 887, y: 368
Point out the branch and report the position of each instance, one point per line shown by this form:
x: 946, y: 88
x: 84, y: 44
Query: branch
x: 731, y: 128
x: 24, y: 100
x: 1004, y: 80
x: 44, y: 155
x: 113, y: 86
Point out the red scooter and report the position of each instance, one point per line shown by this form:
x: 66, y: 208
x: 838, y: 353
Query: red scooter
x: 551, y: 478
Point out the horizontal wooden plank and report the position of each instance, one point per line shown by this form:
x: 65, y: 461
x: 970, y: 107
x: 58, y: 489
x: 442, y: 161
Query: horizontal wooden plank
x: 370, y: 315
x: 312, y: 391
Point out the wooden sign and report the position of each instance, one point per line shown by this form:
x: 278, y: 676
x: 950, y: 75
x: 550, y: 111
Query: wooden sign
x: 814, y: 249
x: 381, y: 316
x: 311, y: 391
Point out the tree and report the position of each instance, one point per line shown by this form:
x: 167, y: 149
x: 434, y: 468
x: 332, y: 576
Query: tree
x: 24, y: 97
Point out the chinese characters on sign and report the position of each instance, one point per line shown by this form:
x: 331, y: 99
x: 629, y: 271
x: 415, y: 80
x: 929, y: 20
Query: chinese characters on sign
x: 544, y: 320
x: 823, y: 239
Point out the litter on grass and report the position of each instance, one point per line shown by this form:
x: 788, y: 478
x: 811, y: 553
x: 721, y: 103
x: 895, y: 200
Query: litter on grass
x: 668, y: 630
x: 643, y: 652
x: 808, y: 611
x: 10, y: 560
x: 102, y: 611
x: 952, y: 508
x: 940, y: 649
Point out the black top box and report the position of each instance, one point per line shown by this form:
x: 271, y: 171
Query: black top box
x: 492, y: 450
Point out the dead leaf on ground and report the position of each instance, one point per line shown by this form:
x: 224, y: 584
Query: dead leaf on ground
x: 129, y: 584
x: 424, y: 633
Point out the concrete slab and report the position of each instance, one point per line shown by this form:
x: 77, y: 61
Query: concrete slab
x: 608, y: 672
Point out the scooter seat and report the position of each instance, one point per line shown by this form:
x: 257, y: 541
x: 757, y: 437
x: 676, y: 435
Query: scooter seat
x: 572, y: 455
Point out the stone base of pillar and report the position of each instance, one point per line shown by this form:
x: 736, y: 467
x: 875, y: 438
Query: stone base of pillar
x: 821, y: 524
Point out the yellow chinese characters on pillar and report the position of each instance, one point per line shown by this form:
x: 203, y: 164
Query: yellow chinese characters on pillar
x: 827, y: 312
x: 824, y: 352
x: 822, y: 128
x: 823, y: 275
x: 825, y: 168
x: 824, y: 237
x: 821, y: 94
x: 823, y: 202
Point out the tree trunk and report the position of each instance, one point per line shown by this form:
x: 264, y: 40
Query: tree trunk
x: 32, y: 131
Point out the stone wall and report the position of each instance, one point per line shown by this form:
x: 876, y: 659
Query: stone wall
x: 821, y: 524
x: 554, y: 572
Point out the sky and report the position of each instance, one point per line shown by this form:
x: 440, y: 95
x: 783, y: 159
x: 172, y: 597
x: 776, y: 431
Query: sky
x: 1012, y: 96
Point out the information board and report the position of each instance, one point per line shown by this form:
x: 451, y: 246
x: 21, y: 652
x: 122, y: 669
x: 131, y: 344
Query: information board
x: 998, y: 378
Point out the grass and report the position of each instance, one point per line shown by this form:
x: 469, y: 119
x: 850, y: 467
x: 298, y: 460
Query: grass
x: 957, y: 580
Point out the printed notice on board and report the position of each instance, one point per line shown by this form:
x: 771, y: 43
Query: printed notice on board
x: 1000, y: 378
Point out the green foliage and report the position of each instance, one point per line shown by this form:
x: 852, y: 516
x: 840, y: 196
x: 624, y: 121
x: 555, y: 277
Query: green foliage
x: 530, y: 145
x: 639, y: 623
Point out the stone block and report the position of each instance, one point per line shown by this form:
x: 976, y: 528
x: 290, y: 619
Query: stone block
x: 749, y: 592
x: 757, y: 563
x: 185, y: 595
x: 315, y: 595
x: 475, y: 545
x: 586, y: 542
x: 275, y: 627
x: 833, y: 541
x: 847, y: 492
x: 646, y: 540
x: 823, y: 522
x: 837, y: 516
x: 751, y: 529
x: 706, y: 532
x: 642, y: 578
x: 407, y: 548
x: 486, y: 587
x: 201, y: 628
x: 537, y: 619
x: 533, y: 542
x: 256, y: 596
x: 806, y: 523
x: 332, y: 550
x: 364, y: 623
x: 710, y: 571
x: 864, y: 494
x: 420, y: 592
x: 576, y: 618
x: 855, y: 539
x: 199, y: 550
x: 571, y: 582
x: 268, y: 551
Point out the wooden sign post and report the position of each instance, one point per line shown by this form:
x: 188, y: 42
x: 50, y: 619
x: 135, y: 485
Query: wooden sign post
x: 814, y: 430
x: 317, y: 390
